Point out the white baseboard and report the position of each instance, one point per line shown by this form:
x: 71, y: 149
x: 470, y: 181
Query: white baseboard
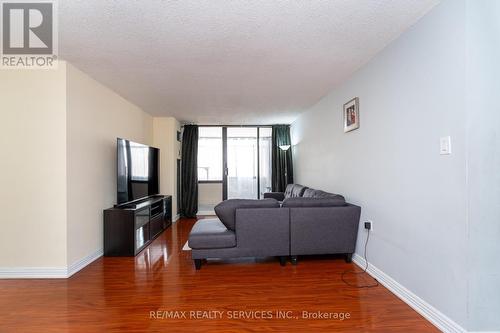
x: 33, y: 272
x: 48, y: 272
x: 429, y: 312
x: 82, y: 263
x: 176, y: 218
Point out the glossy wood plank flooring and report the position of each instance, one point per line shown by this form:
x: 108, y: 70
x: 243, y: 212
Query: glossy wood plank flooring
x: 120, y: 295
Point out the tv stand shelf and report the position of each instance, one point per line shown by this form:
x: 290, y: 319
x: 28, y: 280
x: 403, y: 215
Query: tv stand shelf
x: 129, y: 228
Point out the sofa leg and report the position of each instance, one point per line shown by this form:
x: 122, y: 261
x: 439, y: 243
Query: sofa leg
x: 348, y: 257
x: 282, y: 260
x: 197, y: 264
x: 293, y: 260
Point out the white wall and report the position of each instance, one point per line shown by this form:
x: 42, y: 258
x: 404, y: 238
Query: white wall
x: 411, y: 94
x: 483, y: 163
x: 32, y: 168
x: 96, y: 116
x: 165, y: 138
x: 58, y: 166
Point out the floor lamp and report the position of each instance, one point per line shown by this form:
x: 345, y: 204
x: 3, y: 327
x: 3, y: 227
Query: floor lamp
x: 285, y: 149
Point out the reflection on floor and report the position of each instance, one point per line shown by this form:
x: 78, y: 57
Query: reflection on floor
x: 160, y: 291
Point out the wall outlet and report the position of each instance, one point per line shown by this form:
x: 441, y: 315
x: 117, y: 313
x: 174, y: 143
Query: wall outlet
x: 369, y: 225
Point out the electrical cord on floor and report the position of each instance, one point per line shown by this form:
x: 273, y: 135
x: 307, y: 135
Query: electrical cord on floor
x: 351, y: 271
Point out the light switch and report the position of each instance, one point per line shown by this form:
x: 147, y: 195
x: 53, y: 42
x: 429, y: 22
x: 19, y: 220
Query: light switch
x: 445, y: 145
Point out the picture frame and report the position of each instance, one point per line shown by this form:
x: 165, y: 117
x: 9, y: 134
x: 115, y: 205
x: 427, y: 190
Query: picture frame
x: 351, y: 115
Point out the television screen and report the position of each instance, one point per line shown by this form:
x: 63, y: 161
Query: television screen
x: 137, y: 166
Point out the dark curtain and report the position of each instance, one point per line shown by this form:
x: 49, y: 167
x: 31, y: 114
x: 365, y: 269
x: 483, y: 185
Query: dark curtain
x: 280, y: 158
x: 189, y: 171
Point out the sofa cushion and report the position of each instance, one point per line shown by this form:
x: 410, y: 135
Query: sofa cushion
x: 294, y: 190
x: 312, y: 193
x: 280, y: 196
x: 313, y: 202
x: 226, y: 210
x: 211, y: 234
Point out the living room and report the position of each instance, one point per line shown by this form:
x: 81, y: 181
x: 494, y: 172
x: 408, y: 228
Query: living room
x: 305, y: 166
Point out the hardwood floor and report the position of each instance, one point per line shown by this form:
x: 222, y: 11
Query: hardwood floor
x: 122, y: 294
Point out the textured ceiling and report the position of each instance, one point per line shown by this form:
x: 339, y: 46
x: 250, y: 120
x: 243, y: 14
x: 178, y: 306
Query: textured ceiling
x: 228, y: 62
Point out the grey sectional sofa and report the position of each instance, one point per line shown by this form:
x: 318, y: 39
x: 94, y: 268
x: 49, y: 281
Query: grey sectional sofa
x: 300, y: 221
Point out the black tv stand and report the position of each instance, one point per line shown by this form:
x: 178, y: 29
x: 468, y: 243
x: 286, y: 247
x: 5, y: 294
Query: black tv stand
x: 130, y: 227
x: 141, y: 203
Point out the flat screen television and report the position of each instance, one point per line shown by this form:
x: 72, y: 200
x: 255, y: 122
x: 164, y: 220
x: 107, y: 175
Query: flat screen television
x: 137, y: 171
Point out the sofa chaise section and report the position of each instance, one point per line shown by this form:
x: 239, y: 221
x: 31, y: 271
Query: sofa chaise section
x: 254, y: 232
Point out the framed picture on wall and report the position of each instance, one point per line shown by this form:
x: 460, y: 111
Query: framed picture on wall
x: 351, y: 115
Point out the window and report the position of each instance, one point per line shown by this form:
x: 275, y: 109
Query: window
x: 210, y: 154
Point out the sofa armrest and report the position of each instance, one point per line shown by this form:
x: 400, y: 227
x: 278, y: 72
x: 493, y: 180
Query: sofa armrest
x: 263, y: 231
x: 280, y: 196
x: 324, y: 230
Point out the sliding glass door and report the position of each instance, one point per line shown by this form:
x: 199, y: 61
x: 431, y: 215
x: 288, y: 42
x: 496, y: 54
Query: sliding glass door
x: 234, y: 162
x: 248, y: 162
x: 242, y: 163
